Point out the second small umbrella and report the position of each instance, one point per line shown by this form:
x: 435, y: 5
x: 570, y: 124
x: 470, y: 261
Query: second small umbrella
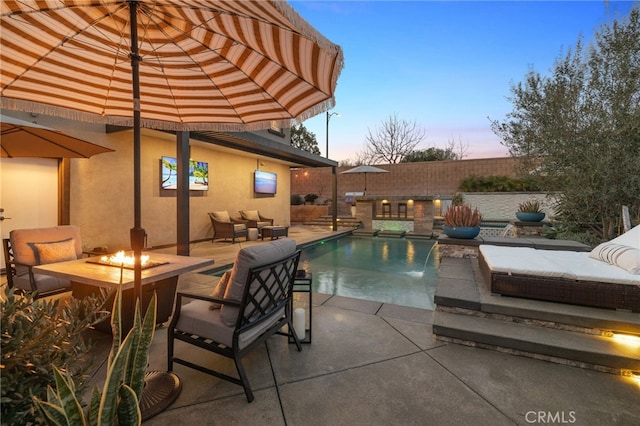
x: 365, y: 169
x: 21, y: 138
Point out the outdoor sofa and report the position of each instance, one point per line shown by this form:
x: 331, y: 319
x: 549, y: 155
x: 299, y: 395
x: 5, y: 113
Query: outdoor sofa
x: 606, y: 277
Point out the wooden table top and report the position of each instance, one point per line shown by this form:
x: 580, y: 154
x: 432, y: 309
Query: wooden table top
x: 86, y: 271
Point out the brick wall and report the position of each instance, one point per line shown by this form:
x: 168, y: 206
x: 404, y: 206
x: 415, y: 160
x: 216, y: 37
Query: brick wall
x: 433, y: 178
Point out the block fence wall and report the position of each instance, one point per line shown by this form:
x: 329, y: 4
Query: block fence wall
x: 433, y: 178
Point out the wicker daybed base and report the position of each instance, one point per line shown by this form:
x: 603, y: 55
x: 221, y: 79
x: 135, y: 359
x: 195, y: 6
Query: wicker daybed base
x: 554, y: 289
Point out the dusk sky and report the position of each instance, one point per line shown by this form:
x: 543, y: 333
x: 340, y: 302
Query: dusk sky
x: 447, y: 65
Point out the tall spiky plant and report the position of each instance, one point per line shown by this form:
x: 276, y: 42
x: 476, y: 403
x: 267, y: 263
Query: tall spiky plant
x: 118, y: 403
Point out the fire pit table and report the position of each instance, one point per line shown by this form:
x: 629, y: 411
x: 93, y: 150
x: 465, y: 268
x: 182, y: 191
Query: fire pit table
x: 88, y: 275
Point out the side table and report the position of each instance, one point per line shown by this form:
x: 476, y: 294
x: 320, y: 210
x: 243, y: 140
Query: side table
x: 252, y: 234
x: 274, y: 232
x: 302, y: 284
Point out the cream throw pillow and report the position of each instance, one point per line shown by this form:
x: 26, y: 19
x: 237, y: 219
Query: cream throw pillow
x: 222, y: 216
x: 250, y: 215
x: 54, y: 251
x: 625, y: 257
x: 218, y: 291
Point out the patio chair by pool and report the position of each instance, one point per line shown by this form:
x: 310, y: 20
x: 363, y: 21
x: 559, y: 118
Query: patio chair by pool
x: 249, y: 304
x: 224, y: 226
x: 255, y: 219
x: 26, y: 248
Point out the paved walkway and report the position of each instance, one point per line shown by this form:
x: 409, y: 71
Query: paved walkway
x: 379, y: 364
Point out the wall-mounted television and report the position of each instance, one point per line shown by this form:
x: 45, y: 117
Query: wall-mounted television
x: 265, y: 182
x: 198, y: 174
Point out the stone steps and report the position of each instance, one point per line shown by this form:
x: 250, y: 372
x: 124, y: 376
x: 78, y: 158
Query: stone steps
x: 467, y: 313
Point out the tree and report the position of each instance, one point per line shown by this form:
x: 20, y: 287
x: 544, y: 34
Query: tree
x: 430, y: 154
x: 392, y: 142
x: 453, y: 151
x: 580, y: 127
x: 304, y: 139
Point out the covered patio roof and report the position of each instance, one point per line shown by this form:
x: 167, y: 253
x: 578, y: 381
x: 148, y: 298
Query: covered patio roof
x: 255, y: 144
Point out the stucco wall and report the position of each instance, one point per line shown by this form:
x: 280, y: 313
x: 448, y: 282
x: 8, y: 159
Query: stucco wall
x: 102, y: 191
x: 101, y: 187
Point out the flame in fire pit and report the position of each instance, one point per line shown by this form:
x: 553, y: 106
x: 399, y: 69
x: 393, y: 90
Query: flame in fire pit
x: 121, y: 259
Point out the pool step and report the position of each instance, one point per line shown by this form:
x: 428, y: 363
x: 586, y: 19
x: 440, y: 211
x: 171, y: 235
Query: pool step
x: 467, y: 313
x: 342, y: 222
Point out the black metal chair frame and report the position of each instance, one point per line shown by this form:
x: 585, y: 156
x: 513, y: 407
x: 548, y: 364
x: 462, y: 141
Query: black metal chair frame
x: 268, y: 292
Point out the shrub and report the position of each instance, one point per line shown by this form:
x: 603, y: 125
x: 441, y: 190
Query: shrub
x: 310, y: 198
x: 296, y: 200
x: 37, y: 334
x: 457, y: 199
x: 499, y: 184
x: 462, y: 215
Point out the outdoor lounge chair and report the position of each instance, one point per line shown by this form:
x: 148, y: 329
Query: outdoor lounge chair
x: 26, y: 248
x: 250, y: 303
x: 255, y: 219
x: 606, y: 277
x: 226, y: 227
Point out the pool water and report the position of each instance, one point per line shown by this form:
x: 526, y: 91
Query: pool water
x: 388, y: 270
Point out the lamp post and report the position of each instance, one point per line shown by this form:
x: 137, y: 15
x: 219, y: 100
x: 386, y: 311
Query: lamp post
x: 327, y: 133
x: 334, y: 183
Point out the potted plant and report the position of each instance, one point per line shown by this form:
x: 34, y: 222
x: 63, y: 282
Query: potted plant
x: 461, y: 221
x: 530, y: 211
x: 310, y: 198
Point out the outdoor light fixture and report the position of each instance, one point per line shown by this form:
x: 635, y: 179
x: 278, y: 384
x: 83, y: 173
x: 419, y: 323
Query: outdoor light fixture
x: 634, y: 375
x: 337, y: 114
x: 627, y: 339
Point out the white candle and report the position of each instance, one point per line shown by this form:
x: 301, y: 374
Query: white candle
x: 299, y: 323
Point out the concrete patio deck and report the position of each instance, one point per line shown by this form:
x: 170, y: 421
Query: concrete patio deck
x: 379, y: 364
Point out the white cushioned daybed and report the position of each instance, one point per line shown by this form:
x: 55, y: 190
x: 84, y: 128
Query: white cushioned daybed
x: 606, y: 277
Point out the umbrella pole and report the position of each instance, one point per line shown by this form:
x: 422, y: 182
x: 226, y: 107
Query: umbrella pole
x: 161, y: 387
x: 137, y: 232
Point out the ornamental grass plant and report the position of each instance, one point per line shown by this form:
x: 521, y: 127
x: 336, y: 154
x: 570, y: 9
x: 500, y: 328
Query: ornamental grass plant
x: 531, y: 206
x: 462, y: 215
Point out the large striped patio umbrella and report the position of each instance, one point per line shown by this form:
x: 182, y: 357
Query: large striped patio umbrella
x: 165, y: 64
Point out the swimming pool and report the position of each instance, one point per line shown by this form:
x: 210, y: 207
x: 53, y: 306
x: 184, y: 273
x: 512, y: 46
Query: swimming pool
x: 388, y: 270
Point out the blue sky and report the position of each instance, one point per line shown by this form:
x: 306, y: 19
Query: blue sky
x: 447, y: 65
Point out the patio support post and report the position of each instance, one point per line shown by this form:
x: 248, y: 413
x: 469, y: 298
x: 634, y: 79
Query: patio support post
x: 334, y: 198
x: 182, y: 196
